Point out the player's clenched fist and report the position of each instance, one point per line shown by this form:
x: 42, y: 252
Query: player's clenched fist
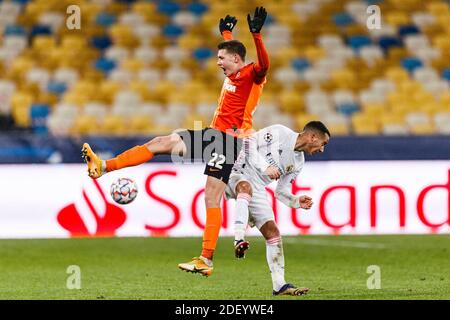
x: 273, y: 172
x: 305, y: 202
x: 227, y: 23
x: 258, y: 20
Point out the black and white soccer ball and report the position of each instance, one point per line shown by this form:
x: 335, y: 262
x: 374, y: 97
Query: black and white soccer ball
x: 124, y: 190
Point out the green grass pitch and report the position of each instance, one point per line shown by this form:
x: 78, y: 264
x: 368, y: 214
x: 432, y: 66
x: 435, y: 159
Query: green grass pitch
x: 333, y: 267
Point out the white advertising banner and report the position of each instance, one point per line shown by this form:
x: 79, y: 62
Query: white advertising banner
x: 362, y: 197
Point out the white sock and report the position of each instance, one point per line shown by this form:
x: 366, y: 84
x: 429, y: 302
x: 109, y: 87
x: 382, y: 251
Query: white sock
x: 241, y: 216
x: 207, y: 261
x: 275, y: 260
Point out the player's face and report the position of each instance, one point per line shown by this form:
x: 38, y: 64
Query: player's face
x: 317, y: 143
x: 227, y: 61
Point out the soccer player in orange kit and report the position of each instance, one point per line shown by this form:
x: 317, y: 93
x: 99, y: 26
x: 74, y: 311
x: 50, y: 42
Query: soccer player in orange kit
x: 220, y: 143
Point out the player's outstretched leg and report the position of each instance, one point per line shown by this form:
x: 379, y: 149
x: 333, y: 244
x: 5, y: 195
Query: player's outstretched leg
x: 132, y: 157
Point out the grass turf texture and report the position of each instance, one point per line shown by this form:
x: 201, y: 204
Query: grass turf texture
x: 333, y: 267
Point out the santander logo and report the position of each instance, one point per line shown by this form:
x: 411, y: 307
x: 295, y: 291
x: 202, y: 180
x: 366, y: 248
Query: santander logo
x: 107, y: 222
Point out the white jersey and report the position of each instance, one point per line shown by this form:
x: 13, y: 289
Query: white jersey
x: 271, y: 146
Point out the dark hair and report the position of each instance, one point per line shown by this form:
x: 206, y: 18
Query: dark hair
x: 317, y: 126
x: 233, y: 46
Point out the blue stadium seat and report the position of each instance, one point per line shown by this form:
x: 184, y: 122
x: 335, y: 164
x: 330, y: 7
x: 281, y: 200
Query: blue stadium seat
x: 270, y: 19
x: 14, y: 30
x: 172, y: 31
x: 21, y: 2
x: 38, y: 115
x: 300, y: 64
x: 407, y: 29
x: 347, y: 109
x: 105, y: 19
x: 387, y: 42
x: 101, y: 42
x: 356, y: 42
x: 201, y: 54
x: 168, y: 8
x: 411, y: 63
x: 198, y: 8
x: 105, y: 65
x: 40, y: 29
x: 446, y: 74
x: 342, y: 19
x: 56, y: 87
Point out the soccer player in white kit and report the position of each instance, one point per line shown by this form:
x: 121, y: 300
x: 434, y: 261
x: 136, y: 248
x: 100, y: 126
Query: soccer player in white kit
x: 273, y: 153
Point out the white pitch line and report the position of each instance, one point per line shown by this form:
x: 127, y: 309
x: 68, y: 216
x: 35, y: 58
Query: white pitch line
x: 335, y: 243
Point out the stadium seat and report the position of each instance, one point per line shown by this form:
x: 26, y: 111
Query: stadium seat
x: 411, y: 63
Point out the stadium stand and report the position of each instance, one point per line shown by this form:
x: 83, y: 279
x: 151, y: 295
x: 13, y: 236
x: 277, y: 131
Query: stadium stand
x: 156, y: 60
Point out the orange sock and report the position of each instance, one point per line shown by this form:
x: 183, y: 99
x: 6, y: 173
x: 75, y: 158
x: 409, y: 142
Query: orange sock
x: 211, y: 232
x: 129, y: 158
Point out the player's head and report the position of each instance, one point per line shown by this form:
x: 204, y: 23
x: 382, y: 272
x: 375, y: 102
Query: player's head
x: 231, y: 56
x: 316, y: 136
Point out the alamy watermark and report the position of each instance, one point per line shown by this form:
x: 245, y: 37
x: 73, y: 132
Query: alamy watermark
x: 74, y: 279
x: 374, y: 280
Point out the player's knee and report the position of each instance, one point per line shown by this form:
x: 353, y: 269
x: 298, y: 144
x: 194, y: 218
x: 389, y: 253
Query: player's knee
x: 270, y: 230
x: 244, y: 187
x: 161, y: 145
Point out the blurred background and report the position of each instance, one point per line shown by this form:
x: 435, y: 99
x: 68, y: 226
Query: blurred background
x: 136, y: 69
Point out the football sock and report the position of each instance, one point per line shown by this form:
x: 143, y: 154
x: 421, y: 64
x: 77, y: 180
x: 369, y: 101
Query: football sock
x: 275, y: 260
x: 241, y: 216
x: 129, y: 158
x: 211, y: 232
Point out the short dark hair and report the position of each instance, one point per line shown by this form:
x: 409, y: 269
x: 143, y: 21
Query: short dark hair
x: 234, y: 46
x: 317, y: 126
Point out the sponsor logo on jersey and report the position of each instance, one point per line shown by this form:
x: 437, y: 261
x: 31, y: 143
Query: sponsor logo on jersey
x: 229, y: 87
x: 268, y: 137
x: 290, y: 168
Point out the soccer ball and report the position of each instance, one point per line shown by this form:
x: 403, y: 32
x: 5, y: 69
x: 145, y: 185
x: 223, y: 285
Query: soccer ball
x: 124, y: 190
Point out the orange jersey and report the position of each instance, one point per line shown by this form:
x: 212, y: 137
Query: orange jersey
x: 237, y: 102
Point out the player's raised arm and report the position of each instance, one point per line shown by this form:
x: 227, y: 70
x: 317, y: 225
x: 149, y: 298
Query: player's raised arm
x: 226, y: 26
x: 255, y: 24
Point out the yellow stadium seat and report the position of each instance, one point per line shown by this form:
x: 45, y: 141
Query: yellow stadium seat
x: 365, y: 124
x: 396, y: 18
x: 374, y: 109
x: 108, y: 90
x: 140, y: 125
x: 445, y: 99
x: 77, y: 99
x: 20, y: 108
x: 43, y: 43
x: 291, y: 102
x: 301, y: 119
x: 422, y: 129
x: 338, y: 129
x: 397, y: 74
x: 83, y: 87
x: 392, y: 118
x: 163, y: 90
x: 73, y: 42
x: 410, y: 87
x: 437, y: 8
x: 314, y: 53
x: 343, y: 78
x: 142, y: 88
x: 113, y: 125
x: 123, y: 36
x: 85, y: 125
x: 132, y: 64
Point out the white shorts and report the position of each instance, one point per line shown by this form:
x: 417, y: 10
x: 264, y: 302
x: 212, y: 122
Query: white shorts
x: 259, y: 209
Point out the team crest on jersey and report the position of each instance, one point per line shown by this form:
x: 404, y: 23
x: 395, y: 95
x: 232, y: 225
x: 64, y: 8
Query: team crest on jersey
x: 268, y: 137
x: 290, y: 168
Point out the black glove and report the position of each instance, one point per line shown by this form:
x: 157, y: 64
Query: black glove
x: 258, y: 20
x: 227, y: 24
